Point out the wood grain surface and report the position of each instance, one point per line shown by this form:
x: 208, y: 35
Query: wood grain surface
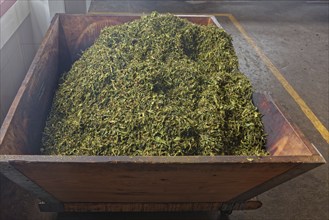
x: 147, y: 182
x: 80, y: 31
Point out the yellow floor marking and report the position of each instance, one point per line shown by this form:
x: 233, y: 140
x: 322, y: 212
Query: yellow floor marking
x: 301, y: 103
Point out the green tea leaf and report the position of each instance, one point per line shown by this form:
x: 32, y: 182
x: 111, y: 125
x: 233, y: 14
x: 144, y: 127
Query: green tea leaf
x: 156, y: 86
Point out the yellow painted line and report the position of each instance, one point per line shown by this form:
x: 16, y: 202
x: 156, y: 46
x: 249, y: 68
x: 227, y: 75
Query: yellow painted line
x: 300, y: 102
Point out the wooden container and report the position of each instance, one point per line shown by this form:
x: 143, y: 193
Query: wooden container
x: 101, y: 183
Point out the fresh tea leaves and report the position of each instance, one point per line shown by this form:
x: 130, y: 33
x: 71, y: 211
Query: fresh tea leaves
x: 157, y: 86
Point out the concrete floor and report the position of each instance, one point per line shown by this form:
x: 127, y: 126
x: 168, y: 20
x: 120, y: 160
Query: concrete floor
x: 294, y: 36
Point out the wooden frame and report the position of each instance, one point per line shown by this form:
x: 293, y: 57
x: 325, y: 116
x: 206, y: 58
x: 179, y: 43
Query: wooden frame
x: 100, y: 183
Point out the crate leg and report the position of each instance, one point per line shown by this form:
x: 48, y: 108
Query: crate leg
x: 227, y: 208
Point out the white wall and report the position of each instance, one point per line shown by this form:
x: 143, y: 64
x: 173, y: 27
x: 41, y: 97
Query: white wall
x: 22, y: 29
x: 17, y: 49
x: 42, y: 11
x: 56, y: 6
x: 11, y: 20
x: 40, y: 16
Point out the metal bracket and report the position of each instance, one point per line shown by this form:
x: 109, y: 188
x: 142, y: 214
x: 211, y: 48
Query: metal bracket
x: 17, y: 177
x: 227, y: 208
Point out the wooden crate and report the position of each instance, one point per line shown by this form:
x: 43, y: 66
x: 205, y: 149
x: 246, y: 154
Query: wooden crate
x: 122, y: 183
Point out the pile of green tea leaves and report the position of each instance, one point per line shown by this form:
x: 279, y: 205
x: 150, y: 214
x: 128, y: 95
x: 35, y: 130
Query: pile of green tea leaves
x: 157, y: 86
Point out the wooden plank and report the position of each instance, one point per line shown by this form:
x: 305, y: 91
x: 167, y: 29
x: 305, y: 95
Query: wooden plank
x: 147, y: 182
x: 138, y: 207
x: 276, y: 116
x: 275, y: 181
x: 282, y: 138
x: 152, y: 207
x: 314, y: 159
x: 65, y: 58
x: 81, y: 30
